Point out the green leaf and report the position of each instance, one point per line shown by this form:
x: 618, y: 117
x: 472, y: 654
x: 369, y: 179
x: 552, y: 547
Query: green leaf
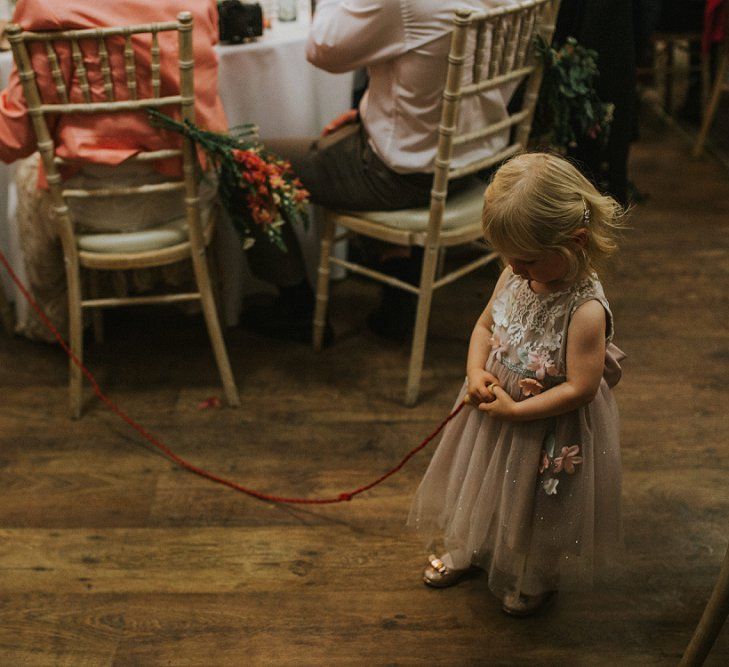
x: 568, y: 105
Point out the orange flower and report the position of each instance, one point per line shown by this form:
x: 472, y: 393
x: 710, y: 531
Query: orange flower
x: 301, y: 195
x: 262, y: 216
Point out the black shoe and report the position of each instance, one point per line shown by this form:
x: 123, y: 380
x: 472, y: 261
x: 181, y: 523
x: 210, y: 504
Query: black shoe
x: 394, y: 317
x: 690, y: 112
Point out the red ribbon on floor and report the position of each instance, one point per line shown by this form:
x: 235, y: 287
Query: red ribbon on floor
x: 149, y: 437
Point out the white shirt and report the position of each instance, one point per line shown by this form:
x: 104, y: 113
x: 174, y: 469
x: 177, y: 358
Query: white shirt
x: 404, y: 44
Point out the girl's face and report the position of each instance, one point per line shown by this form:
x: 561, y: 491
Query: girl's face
x: 548, y: 268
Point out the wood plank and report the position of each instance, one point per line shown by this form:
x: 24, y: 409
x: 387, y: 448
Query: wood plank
x: 109, y: 554
x: 311, y: 628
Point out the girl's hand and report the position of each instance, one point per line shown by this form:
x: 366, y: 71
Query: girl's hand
x: 478, y: 386
x: 502, y: 406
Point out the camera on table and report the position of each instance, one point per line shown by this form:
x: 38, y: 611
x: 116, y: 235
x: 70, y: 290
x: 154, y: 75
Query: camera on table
x: 238, y: 21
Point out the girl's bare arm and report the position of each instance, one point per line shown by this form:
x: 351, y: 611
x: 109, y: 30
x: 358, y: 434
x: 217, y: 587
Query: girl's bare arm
x: 585, y: 362
x: 480, y: 347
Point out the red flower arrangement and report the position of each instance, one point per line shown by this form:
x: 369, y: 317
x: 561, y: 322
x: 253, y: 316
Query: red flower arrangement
x: 258, y: 189
x: 268, y: 185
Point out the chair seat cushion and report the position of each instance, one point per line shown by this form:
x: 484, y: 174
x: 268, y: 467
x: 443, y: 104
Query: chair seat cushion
x: 154, y: 238
x: 462, y: 208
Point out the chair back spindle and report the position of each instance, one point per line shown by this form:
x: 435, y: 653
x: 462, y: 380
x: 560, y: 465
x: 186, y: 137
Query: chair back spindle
x: 155, y: 65
x: 78, y: 61
x: 477, y: 71
x: 130, y: 67
x: 105, y: 68
x: 56, y: 72
x: 498, y: 27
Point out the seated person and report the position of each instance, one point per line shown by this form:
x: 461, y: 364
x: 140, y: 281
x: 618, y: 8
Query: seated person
x: 99, y: 141
x: 381, y: 155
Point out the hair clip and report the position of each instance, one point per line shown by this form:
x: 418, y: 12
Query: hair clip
x: 585, y: 212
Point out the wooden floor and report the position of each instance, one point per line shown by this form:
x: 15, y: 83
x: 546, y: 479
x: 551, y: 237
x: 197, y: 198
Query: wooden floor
x: 111, y: 555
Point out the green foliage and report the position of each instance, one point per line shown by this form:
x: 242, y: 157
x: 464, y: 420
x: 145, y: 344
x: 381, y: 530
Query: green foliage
x: 568, y: 108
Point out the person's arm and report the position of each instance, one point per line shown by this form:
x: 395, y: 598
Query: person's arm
x: 17, y: 138
x: 347, y: 34
x: 347, y: 118
x: 479, y: 349
x: 585, y: 362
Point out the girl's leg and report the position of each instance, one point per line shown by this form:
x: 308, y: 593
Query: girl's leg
x: 457, y: 559
x: 535, y: 587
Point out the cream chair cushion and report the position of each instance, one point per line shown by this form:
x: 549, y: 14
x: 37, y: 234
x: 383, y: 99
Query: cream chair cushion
x: 154, y: 238
x: 462, y: 209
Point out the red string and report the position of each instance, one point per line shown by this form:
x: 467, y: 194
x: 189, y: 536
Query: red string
x: 342, y: 497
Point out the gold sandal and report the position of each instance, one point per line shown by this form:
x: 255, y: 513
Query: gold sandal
x: 438, y: 575
x: 518, y: 604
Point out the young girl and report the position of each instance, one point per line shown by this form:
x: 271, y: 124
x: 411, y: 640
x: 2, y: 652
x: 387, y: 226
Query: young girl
x: 525, y: 482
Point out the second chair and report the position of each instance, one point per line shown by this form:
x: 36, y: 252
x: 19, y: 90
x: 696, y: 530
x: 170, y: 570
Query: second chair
x: 498, y: 47
x: 182, y: 239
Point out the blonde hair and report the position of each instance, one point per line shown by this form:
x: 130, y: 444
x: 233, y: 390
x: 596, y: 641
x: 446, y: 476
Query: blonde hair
x: 537, y: 202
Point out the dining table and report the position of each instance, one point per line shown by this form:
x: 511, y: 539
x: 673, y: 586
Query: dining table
x: 266, y: 81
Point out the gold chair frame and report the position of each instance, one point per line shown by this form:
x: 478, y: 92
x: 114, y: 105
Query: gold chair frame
x: 719, y: 86
x: 512, y: 59
x: 711, y: 621
x: 75, y: 258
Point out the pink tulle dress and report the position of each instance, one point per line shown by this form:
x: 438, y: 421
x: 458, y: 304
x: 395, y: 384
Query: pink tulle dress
x: 535, y: 504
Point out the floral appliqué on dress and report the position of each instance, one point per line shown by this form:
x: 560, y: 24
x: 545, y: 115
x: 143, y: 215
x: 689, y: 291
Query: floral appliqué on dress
x: 548, y: 462
x: 550, y: 465
x: 498, y: 347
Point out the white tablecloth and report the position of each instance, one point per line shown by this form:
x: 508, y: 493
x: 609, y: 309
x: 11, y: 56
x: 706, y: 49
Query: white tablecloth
x: 267, y: 82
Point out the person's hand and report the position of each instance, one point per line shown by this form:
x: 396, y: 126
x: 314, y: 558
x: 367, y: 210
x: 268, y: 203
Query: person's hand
x: 478, y: 386
x: 346, y: 118
x: 502, y: 406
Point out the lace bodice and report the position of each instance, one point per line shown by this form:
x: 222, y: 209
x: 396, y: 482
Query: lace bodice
x: 530, y: 330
